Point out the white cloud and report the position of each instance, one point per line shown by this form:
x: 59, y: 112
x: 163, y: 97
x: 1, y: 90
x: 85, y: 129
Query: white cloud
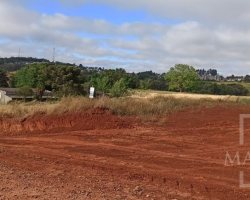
x: 222, y: 11
x: 208, y: 35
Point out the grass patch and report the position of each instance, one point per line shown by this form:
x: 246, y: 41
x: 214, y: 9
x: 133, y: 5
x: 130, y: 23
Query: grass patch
x: 143, y: 107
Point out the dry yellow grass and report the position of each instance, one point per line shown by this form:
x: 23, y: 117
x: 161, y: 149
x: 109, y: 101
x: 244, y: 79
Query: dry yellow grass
x: 148, y: 106
x: 21, y: 109
x: 150, y: 94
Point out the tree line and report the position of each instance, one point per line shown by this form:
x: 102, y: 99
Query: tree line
x: 69, y: 79
x: 15, y: 63
x: 184, y: 78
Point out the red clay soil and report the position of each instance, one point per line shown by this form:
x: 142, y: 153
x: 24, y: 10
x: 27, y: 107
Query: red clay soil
x: 98, y: 118
x: 116, y: 158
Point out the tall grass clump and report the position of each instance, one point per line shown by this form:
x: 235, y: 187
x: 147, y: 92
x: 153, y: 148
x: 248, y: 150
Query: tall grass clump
x: 159, y: 105
x: 133, y: 106
x: 17, y: 109
x: 72, y: 104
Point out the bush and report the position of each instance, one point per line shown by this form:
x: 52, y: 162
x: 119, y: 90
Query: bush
x: 221, y: 89
x: 233, y: 89
x: 25, y: 92
x: 206, y: 88
x: 119, y: 88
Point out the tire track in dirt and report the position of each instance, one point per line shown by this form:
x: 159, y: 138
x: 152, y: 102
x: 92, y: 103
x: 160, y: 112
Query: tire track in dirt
x: 182, y: 159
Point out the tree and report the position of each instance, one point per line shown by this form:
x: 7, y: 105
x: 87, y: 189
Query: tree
x: 62, y: 79
x: 104, y: 80
x: 102, y: 84
x: 32, y: 76
x: 25, y: 92
x: 182, y: 78
x: 15, y: 63
x: 213, y: 72
x: 247, y: 79
x: 132, y: 81
x: 114, y: 75
x: 119, y: 88
x: 145, y: 84
x: 159, y: 84
x: 3, y: 79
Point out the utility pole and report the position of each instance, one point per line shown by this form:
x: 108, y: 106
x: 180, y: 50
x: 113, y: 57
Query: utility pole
x: 54, y: 55
x: 19, y: 56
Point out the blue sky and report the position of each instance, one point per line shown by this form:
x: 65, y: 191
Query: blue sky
x: 137, y: 35
x: 96, y: 11
x: 110, y: 13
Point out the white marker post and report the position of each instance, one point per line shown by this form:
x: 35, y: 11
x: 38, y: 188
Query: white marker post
x: 91, y: 92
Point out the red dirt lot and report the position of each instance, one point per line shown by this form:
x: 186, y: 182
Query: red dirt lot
x: 97, y: 155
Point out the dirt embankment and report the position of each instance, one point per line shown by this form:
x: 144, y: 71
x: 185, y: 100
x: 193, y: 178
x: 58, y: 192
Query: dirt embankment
x: 98, y: 118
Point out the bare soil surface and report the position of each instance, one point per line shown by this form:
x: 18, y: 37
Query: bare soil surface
x: 96, y: 155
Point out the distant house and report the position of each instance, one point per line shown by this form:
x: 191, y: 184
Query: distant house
x: 209, y: 75
x: 235, y: 78
x: 10, y: 94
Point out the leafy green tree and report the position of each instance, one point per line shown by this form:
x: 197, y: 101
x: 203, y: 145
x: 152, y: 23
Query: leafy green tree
x: 12, y: 80
x: 32, y: 76
x: 148, y: 75
x: 247, y: 79
x: 65, y: 80
x: 182, y: 78
x: 145, y: 84
x: 3, y: 79
x: 25, y: 92
x: 159, y: 84
x: 102, y: 84
x: 132, y: 81
x: 15, y: 63
x: 119, y: 88
x: 61, y: 79
x: 114, y: 75
x: 29, y: 76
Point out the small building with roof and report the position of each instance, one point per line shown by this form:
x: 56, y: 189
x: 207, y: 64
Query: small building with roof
x: 11, y: 94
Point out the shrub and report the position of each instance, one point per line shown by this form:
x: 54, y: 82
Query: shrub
x: 119, y: 88
x: 221, y: 89
x: 25, y: 92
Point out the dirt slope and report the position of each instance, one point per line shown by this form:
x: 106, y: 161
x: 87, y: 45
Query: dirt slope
x: 98, y: 118
x: 183, y: 159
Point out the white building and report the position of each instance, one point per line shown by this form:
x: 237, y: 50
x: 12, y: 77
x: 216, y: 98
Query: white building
x: 4, y: 98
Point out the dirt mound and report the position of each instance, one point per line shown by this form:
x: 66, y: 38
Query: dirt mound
x: 98, y: 118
